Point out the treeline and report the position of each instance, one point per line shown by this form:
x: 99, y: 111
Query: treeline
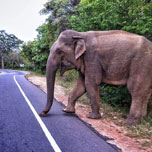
x: 83, y: 15
x: 9, y: 50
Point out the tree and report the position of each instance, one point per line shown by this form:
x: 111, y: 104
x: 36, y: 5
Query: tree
x: 58, y: 11
x: 37, y: 51
x: 13, y: 60
x: 133, y: 16
x: 8, y: 42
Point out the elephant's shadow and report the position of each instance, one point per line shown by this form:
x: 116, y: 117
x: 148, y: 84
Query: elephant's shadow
x: 60, y: 114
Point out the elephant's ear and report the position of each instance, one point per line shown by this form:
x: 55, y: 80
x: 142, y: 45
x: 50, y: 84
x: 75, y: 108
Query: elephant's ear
x: 80, y: 46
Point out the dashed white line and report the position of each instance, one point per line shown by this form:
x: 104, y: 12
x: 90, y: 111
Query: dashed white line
x: 44, y: 128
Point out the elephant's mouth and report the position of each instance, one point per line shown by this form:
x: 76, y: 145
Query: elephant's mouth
x: 64, y: 68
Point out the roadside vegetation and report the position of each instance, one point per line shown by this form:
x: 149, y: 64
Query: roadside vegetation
x: 9, y: 50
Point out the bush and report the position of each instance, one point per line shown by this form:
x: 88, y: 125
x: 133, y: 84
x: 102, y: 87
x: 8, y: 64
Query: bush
x: 117, y: 96
x: 70, y: 75
x: 132, y: 16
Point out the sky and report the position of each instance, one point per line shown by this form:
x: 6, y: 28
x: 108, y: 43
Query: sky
x: 21, y: 17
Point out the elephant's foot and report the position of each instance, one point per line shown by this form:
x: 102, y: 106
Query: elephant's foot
x: 132, y: 122
x: 69, y: 110
x: 92, y: 115
x: 43, y: 114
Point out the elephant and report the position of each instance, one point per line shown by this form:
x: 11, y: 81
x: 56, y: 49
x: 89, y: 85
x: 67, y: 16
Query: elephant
x: 114, y: 57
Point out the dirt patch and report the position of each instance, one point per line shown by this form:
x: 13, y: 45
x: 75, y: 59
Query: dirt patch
x: 104, y: 126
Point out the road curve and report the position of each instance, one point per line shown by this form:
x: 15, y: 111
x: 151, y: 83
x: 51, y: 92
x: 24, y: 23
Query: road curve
x: 22, y: 130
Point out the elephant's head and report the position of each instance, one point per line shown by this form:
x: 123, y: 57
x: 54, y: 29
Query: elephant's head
x: 65, y: 54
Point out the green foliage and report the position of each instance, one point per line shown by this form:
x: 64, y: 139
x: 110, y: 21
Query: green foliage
x: 68, y: 79
x: 134, y: 16
x: 70, y: 76
x: 35, y: 56
x: 8, y: 43
x: 37, y: 51
x: 58, y: 11
x: 117, y: 96
x: 139, y: 18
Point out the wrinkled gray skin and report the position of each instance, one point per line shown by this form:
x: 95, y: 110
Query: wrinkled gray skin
x: 113, y: 57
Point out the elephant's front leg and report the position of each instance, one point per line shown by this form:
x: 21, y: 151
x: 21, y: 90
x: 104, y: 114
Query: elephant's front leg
x: 77, y: 92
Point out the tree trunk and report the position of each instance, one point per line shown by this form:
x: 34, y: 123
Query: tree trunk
x: 2, y: 60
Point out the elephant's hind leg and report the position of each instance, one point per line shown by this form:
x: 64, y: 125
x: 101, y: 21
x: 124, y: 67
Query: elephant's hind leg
x: 140, y: 92
x: 77, y: 92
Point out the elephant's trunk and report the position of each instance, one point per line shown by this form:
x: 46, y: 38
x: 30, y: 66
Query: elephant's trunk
x: 50, y: 74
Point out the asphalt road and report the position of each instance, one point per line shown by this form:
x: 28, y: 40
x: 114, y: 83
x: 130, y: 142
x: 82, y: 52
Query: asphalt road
x: 22, y: 130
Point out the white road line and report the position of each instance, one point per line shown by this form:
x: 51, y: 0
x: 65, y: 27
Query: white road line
x: 44, y: 128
